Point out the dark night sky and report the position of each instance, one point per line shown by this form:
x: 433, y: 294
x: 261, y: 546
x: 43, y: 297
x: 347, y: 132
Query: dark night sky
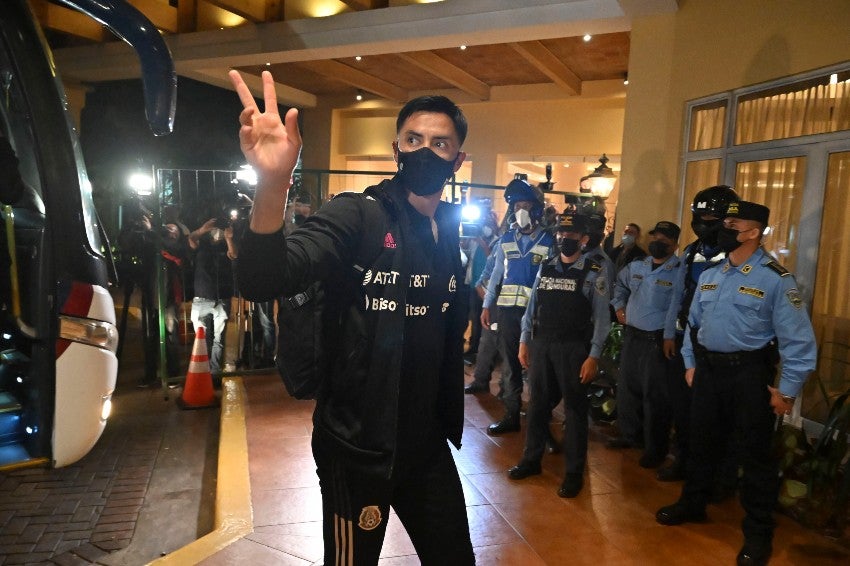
x: 116, y: 138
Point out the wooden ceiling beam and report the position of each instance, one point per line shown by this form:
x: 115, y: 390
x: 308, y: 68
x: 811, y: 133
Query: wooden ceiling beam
x: 442, y: 69
x: 254, y: 11
x: 547, y: 63
x: 160, y: 14
x: 355, y: 77
x: 65, y: 20
x: 187, y: 16
x: 360, y: 5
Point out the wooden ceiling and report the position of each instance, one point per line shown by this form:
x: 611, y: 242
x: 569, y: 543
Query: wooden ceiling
x: 565, y: 62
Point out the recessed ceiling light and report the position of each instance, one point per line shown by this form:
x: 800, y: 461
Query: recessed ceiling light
x: 268, y: 64
x: 359, y: 96
x: 357, y: 57
x: 462, y: 47
x: 587, y: 37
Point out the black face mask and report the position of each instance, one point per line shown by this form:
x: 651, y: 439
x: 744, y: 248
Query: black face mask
x: 706, y: 230
x: 658, y: 249
x: 727, y: 239
x: 569, y: 246
x: 423, y: 172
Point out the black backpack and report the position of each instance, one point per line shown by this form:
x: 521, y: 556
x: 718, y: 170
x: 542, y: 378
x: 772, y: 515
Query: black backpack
x: 302, y: 359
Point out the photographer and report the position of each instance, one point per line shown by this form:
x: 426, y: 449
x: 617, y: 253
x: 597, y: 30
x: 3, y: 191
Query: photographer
x: 477, y: 245
x: 139, y: 246
x: 215, y: 249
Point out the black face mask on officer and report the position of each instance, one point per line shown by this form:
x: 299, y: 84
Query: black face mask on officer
x: 423, y: 172
x: 727, y: 239
x: 658, y: 249
x: 569, y: 246
x: 706, y: 230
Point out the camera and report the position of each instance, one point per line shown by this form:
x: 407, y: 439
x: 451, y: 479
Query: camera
x: 474, y: 216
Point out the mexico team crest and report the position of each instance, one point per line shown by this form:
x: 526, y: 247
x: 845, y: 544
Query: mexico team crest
x: 370, y: 518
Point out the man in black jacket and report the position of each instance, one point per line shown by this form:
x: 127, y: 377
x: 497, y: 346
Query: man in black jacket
x: 628, y: 250
x: 394, y: 391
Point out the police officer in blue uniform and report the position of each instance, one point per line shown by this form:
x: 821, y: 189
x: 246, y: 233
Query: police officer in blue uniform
x: 742, y: 312
x: 518, y: 257
x: 645, y: 288
x: 568, y: 313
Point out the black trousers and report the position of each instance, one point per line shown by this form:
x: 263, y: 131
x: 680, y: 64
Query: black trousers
x: 489, y: 350
x: 679, y: 397
x: 643, y: 415
x: 427, y: 497
x: 730, y: 402
x: 554, y: 373
x: 510, y: 329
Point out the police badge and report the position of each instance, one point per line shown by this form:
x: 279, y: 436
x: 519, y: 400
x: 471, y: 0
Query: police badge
x: 370, y: 518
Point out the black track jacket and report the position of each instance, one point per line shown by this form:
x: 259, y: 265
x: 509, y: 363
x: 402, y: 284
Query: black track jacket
x: 357, y: 408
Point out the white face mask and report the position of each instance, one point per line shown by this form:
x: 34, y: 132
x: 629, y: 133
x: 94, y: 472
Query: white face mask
x: 628, y: 239
x: 523, y: 218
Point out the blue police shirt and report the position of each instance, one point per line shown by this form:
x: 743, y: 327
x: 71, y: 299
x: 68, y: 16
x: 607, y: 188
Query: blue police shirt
x: 745, y: 307
x: 488, y: 268
x: 596, y: 290
x: 646, y: 293
x: 599, y: 256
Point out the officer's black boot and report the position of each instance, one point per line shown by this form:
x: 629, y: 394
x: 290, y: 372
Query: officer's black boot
x: 509, y: 423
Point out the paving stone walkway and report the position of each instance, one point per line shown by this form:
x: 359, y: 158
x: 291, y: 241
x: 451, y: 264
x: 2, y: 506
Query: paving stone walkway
x: 78, y: 514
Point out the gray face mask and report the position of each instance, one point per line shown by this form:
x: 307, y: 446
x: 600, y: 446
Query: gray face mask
x: 628, y: 240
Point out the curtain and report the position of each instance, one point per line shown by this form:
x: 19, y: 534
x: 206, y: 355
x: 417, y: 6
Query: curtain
x: 698, y: 176
x: 805, y: 111
x: 707, y: 127
x: 777, y: 184
x: 830, y: 307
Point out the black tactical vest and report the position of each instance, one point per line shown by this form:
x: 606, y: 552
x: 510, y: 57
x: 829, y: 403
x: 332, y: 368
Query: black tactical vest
x: 563, y: 312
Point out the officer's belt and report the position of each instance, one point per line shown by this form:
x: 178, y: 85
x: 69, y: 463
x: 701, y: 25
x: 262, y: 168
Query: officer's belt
x: 650, y: 335
x: 734, y: 359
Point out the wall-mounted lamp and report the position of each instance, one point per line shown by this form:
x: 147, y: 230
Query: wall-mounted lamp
x: 600, y: 183
x: 359, y: 96
x: 625, y: 78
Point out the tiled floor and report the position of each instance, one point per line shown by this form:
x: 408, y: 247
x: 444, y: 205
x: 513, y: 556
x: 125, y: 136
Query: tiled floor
x: 512, y: 523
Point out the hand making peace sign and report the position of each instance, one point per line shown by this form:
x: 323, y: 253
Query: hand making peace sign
x: 271, y: 147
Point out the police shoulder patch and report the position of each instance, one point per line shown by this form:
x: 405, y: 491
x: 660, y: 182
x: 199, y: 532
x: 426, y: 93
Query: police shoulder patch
x: 595, y: 265
x: 777, y: 267
x: 601, y: 285
x: 794, y: 298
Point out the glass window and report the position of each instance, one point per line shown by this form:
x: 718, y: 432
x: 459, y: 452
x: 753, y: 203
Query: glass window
x: 830, y: 307
x: 698, y: 175
x: 814, y: 106
x: 778, y: 184
x: 708, y: 123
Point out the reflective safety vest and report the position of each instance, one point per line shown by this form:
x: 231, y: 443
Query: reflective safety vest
x: 521, y: 267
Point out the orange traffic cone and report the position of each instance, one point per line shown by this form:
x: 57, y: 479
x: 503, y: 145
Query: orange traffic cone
x: 198, y: 392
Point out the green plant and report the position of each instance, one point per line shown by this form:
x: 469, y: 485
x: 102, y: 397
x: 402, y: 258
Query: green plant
x: 816, y: 480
